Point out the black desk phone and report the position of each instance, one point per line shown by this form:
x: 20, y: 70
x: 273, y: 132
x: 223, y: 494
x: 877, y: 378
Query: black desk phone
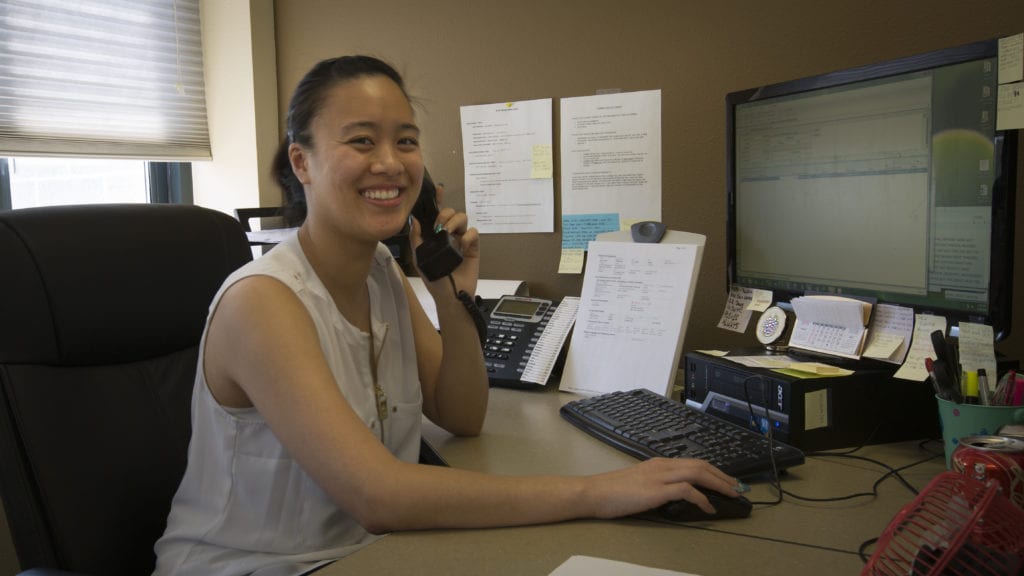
x: 514, y: 346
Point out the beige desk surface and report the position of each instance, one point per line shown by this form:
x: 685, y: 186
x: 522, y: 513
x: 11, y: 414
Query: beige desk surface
x: 524, y: 434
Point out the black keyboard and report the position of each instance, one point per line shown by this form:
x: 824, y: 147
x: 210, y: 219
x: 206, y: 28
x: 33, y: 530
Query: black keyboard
x: 644, y: 425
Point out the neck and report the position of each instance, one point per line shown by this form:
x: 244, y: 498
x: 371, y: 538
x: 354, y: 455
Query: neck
x: 343, y: 265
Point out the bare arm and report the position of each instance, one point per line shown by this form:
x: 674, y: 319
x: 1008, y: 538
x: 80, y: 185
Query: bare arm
x: 451, y: 364
x: 262, y: 348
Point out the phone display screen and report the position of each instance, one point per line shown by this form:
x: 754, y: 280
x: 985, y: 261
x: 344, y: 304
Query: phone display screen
x: 523, y: 309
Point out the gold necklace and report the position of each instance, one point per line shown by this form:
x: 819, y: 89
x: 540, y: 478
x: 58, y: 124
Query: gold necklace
x: 378, y: 392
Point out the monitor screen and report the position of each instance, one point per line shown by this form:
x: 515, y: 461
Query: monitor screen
x: 889, y: 182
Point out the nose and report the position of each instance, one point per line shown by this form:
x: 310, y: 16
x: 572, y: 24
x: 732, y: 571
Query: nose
x: 386, y: 161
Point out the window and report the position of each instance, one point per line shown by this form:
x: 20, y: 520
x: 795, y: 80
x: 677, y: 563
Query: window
x: 94, y: 90
x: 27, y: 182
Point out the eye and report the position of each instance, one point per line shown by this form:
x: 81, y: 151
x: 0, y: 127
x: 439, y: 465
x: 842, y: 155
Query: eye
x: 408, y: 142
x: 361, y: 142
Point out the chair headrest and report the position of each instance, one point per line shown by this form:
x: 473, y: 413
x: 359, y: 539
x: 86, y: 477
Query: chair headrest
x: 111, y: 283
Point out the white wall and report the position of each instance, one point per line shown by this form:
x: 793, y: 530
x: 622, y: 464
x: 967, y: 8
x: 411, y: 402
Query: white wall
x: 241, y: 100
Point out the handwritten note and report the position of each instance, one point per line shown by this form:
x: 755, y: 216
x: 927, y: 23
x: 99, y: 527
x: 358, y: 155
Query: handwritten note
x: 921, y: 347
x: 571, y: 261
x: 976, y: 345
x: 736, y: 316
x: 1011, y: 59
x: 760, y: 300
x: 890, y: 332
x: 1010, y: 107
x: 542, y: 166
x: 579, y: 229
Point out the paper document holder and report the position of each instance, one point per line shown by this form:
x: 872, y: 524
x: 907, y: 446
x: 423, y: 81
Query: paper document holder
x: 618, y: 349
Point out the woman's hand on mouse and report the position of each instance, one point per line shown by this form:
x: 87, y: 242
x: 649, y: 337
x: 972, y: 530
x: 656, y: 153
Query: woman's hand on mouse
x: 654, y: 482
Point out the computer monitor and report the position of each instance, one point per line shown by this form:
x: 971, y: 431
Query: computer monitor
x: 888, y: 181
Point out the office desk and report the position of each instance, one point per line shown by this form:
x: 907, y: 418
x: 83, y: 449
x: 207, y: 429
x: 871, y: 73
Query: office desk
x: 524, y: 434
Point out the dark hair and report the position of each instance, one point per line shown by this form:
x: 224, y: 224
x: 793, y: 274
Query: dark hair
x: 305, y: 104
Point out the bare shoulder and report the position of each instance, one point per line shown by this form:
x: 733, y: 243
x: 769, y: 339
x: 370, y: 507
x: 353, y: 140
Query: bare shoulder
x: 259, y: 325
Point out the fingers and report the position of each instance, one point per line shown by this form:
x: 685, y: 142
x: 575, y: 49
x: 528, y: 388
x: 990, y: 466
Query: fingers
x: 452, y: 221
x: 684, y: 475
x: 457, y: 224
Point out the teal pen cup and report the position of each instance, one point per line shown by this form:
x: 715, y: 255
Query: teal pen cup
x: 963, y: 420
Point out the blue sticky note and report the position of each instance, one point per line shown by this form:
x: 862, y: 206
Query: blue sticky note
x: 580, y: 229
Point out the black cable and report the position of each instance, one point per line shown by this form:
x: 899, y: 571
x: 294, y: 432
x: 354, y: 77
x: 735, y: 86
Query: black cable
x: 473, y: 307
x: 774, y: 479
x: 752, y: 536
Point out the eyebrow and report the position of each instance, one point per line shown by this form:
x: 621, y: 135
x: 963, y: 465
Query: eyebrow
x: 367, y: 124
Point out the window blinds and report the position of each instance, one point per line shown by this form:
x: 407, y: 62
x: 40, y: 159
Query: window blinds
x: 102, y: 78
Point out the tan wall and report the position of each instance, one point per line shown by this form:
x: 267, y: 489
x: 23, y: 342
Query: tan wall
x: 463, y: 52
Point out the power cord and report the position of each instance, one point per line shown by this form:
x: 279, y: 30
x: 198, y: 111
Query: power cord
x: 774, y: 478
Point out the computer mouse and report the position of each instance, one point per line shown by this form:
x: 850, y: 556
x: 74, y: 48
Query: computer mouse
x: 647, y: 231
x: 725, y: 507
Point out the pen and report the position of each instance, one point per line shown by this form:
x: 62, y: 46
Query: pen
x: 983, y: 392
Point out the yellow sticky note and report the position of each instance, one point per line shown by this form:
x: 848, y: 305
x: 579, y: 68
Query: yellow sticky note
x: 1011, y: 59
x: 1010, y: 107
x: 542, y: 164
x: 571, y: 262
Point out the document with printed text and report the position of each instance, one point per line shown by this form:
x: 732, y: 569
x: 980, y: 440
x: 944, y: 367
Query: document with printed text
x: 632, y: 316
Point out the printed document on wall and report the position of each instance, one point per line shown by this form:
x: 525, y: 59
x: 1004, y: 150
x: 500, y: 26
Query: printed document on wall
x: 631, y: 317
x: 509, y: 167
x: 611, y: 163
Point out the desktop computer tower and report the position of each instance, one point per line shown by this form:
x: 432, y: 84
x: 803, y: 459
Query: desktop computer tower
x: 816, y: 413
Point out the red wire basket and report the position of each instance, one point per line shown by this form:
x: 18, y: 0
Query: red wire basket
x: 956, y: 526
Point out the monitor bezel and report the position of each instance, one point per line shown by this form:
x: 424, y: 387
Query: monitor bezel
x: 999, y: 314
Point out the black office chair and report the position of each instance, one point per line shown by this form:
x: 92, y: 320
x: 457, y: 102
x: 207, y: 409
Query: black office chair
x: 101, y: 312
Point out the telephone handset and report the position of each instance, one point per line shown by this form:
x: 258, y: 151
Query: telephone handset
x: 439, y: 254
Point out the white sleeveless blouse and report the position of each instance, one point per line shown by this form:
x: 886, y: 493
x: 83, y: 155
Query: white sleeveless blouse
x: 244, y: 505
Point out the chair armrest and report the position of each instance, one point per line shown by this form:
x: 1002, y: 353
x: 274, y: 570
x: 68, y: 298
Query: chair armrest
x: 246, y: 214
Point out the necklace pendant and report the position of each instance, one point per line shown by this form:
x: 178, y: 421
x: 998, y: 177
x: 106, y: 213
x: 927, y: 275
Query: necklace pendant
x: 382, y: 406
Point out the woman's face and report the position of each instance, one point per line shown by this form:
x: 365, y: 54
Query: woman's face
x: 364, y: 170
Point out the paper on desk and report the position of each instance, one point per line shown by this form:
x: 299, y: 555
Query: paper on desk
x: 762, y: 361
x: 590, y: 566
x: 631, y: 318
x: 921, y: 347
x: 486, y: 289
x: 801, y: 368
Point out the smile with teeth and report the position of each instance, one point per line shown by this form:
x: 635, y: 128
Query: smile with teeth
x: 377, y: 194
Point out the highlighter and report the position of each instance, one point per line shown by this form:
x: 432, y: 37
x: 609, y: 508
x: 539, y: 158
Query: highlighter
x: 971, y: 388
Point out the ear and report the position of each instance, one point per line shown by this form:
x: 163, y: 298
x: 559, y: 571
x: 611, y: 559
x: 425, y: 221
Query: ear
x: 298, y: 158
